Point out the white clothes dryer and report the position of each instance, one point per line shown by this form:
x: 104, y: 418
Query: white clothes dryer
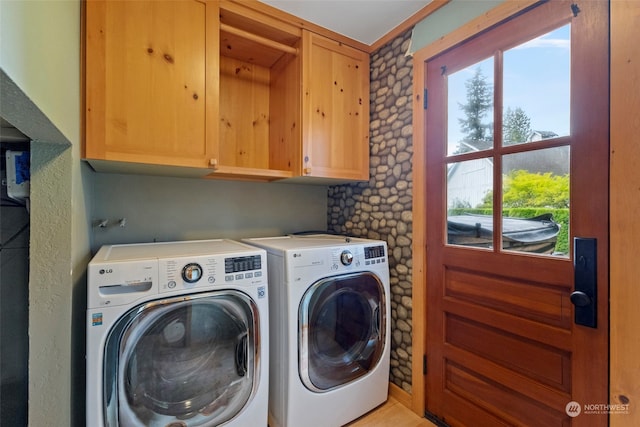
x: 330, y: 328
x: 177, y: 335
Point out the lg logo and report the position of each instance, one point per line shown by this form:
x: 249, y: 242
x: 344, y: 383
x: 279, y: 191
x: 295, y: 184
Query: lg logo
x: 106, y: 270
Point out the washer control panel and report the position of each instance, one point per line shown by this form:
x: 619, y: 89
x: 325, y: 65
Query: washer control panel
x: 189, y: 273
x: 242, y: 268
x: 123, y: 274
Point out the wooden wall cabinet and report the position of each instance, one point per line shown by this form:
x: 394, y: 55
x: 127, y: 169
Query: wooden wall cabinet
x: 221, y: 89
x: 148, y: 85
x: 336, y: 110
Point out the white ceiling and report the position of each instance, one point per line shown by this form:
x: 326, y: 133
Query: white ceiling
x: 362, y: 20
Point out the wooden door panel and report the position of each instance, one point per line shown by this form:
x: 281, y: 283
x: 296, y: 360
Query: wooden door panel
x: 533, y: 301
x: 526, y: 387
x: 557, y: 337
x: 553, y: 272
x: 521, y: 355
x: 468, y: 413
x: 483, y: 392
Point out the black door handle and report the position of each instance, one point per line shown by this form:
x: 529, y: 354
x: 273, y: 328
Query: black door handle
x: 580, y: 299
x: 584, y: 296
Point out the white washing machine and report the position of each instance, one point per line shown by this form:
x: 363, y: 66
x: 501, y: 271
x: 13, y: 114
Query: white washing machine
x: 177, y: 335
x: 330, y: 328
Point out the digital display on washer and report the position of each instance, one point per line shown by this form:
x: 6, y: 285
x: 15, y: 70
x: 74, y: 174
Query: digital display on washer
x: 374, y: 252
x: 243, y: 263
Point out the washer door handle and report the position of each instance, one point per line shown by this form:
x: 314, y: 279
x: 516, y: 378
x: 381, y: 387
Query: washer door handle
x: 241, y: 355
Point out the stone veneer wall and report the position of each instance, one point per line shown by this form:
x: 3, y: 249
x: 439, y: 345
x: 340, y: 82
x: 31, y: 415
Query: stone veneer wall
x: 381, y: 207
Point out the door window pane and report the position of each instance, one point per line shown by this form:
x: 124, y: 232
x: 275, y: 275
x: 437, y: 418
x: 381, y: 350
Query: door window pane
x: 470, y: 203
x: 470, y: 108
x: 535, y: 201
x: 537, y: 88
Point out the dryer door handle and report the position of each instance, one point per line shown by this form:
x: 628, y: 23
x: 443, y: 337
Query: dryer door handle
x: 241, y: 355
x: 377, y: 320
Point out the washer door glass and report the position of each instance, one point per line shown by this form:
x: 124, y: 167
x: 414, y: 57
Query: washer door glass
x: 187, y: 361
x: 342, y: 330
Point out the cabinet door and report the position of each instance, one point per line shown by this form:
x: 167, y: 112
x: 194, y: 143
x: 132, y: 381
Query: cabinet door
x: 335, y: 109
x: 145, y: 82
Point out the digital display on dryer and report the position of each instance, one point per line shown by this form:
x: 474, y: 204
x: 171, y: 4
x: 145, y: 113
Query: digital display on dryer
x: 374, y: 252
x: 243, y: 263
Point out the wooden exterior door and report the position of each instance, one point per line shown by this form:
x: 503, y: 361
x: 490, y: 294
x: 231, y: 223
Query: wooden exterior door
x: 503, y: 346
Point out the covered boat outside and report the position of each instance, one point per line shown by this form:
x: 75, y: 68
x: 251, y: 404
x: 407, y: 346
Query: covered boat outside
x: 535, y: 235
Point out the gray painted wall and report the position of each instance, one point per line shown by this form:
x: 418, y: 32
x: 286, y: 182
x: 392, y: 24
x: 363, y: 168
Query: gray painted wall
x: 164, y: 209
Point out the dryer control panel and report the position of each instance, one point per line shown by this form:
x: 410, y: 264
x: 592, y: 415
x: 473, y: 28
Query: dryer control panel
x: 337, y: 259
x: 374, y: 255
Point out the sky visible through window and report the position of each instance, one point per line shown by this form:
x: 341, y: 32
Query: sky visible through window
x: 536, y: 79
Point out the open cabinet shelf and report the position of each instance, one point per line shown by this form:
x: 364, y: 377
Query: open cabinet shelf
x: 259, y: 94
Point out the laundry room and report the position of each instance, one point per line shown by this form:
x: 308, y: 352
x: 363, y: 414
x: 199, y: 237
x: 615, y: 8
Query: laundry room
x: 77, y: 208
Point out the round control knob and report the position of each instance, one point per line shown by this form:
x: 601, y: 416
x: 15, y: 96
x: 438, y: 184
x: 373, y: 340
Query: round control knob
x: 346, y: 258
x: 191, y: 273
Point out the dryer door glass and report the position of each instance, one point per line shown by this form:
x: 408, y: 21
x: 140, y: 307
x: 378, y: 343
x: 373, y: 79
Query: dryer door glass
x: 188, y: 361
x: 342, y: 330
